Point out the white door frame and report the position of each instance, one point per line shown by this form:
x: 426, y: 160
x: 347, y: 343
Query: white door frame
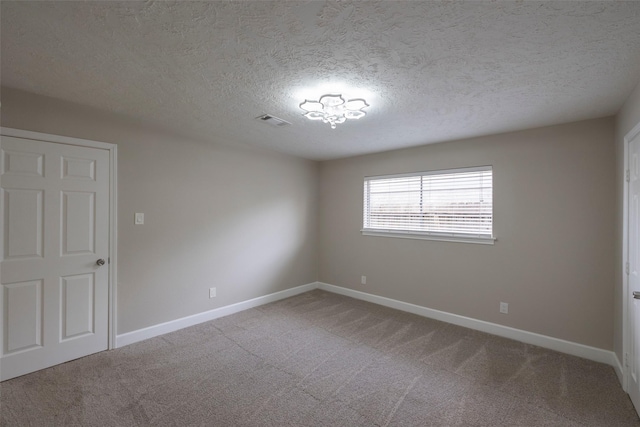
x: 113, y: 209
x: 626, y: 339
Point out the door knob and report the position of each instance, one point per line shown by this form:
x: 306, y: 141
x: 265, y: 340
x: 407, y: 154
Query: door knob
x: 636, y: 295
x: 100, y: 262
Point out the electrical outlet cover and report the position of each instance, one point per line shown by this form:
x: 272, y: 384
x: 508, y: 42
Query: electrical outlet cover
x: 504, y: 308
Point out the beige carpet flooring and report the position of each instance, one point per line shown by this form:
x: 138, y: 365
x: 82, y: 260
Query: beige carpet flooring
x: 320, y: 359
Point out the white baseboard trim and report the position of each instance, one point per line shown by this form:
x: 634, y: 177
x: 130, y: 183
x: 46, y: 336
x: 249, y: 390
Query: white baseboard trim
x: 174, y: 325
x: 563, y: 346
x: 568, y: 347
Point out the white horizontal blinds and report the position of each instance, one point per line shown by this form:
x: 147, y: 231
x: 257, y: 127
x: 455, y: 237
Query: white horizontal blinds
x: 458, y: 202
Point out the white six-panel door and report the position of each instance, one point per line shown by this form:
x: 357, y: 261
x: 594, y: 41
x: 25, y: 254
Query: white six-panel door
x: 55, y: 219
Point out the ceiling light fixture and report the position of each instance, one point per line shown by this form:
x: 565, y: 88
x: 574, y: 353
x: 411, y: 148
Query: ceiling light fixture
x: 333, y: 109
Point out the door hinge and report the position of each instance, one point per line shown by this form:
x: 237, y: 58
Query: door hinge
x: 627, y: 176
x: 108, y: 260
x: 626, y: 268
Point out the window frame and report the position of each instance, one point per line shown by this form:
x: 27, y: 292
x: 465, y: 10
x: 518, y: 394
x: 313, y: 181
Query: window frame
x: 431, y: 235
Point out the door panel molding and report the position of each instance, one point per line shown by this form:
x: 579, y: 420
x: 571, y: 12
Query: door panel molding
x: 78, y: 169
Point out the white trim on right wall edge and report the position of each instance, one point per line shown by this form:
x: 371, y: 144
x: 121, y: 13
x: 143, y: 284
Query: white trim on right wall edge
x: 563, y: 346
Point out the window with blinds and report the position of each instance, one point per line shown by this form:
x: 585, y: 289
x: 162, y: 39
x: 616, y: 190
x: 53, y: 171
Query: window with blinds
x: 452, y: 204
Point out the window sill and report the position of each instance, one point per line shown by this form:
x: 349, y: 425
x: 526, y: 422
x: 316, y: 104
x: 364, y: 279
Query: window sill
x: 436, y: 237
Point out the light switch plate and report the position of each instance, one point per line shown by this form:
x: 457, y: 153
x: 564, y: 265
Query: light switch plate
x: 139, y: 220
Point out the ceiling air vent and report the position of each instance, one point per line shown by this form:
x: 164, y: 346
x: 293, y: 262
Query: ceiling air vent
x: 273, y: 121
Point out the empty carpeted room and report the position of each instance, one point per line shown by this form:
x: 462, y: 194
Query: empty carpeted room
x: 320, y: 213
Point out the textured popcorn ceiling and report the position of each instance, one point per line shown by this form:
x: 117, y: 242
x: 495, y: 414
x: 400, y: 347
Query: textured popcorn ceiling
x: 431, y: 71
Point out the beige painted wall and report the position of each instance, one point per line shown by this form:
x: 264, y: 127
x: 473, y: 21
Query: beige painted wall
x: 626, y: 119
x: 554, y: 195
x: 249, y: 223
x: 239, y: 219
